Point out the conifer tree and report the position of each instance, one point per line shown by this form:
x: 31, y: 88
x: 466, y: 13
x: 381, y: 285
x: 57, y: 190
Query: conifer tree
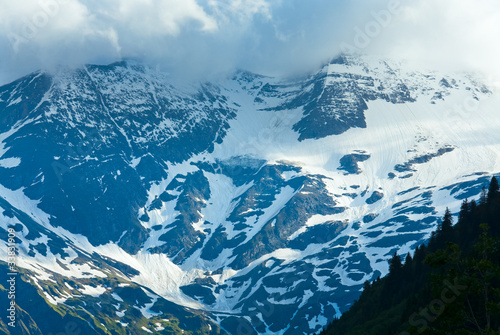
x: 395, y: 264
x: 493, y: 190
x: 493, y: 208
x: 483, y: 197
x: 447, y: 223
x: 464, y: 211
x: 408, y: 259
x: 366, y: 286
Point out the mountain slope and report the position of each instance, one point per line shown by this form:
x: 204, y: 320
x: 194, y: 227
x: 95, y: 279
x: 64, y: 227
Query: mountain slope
x: 450, y: 286
x: 265, y: 203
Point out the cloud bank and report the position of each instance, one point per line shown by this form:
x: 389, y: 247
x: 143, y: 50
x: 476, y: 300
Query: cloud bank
x: 203, y: 38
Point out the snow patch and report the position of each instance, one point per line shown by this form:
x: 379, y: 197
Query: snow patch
x: 92, y: 291
x: 10, y: 162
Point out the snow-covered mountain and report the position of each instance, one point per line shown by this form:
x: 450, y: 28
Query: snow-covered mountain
x: 253, y: 204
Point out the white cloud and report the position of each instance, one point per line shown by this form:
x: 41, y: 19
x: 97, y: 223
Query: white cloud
x: 452, y: 34
x: 205, y: 37
x: 47, y: 33
x: 244, y: 10
x: 154, y: 17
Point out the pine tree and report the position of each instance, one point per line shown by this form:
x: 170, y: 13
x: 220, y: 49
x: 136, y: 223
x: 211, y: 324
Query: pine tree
x: 418, y: 257
x: 443, y: 233
x: 395, y: 264
x: 408, y: 267
x: 463, y: 225
x: 434, y: 234
x: 493, y: 190
x: 366, y: 286
x: 464, y: 211
x: 483, y: 197
x: 447, y: 224
x: 408, y: 259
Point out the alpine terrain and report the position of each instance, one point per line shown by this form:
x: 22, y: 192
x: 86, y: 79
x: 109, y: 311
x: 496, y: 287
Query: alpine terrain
x: 249, y: 205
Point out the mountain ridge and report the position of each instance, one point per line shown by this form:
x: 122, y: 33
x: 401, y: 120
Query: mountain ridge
x: 241, y: 196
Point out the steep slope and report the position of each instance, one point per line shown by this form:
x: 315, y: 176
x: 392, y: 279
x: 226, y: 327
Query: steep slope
x: 85, y: 134
x: 265, y: 203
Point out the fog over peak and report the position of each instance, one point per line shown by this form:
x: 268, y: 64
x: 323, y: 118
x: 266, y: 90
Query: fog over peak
x: 203, y: 38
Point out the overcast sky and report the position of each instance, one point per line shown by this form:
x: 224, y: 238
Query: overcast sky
x: 202, y: 38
